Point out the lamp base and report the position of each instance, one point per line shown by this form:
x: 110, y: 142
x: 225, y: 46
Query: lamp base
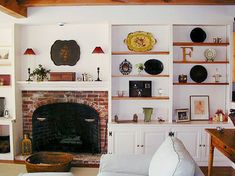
x: 98, y: 79
x: 98, y: 73
x: 29, y: 76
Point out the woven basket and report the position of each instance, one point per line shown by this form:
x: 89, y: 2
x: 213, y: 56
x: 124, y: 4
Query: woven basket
x: 49, y: 162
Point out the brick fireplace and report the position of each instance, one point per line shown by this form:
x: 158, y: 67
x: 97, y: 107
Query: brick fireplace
x: 98, y: 100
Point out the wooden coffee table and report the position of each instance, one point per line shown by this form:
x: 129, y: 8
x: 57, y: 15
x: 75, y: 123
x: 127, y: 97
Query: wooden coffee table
x: 224, y: 141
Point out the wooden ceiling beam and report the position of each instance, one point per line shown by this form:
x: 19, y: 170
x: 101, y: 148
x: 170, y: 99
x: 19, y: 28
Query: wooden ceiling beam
x: 13, y: 8
x: 34, y: 3
x: 18, y: 8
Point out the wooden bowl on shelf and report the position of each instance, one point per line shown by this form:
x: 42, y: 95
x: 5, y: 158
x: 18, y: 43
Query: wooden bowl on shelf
x: 49, y: 162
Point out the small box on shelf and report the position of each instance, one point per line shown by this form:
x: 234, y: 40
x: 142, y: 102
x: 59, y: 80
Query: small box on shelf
x: 62, y: 76
x: 5, y: 80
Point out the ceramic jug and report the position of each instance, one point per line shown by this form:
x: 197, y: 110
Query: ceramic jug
x: 147, y: 114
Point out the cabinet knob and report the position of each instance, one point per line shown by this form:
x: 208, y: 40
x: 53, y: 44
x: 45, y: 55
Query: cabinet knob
x: 138, y: 145
x: 171, y: 134
x: 200, y: 145
x: 142, y: 146
x: 204, y: 145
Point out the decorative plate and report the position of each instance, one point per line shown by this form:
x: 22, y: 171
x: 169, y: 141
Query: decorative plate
x: 198, y: 35
x: 125, y: 67
x: 140, y: 41
x: 153, y: 66
x: 210, y: 54
x: 198, y: 73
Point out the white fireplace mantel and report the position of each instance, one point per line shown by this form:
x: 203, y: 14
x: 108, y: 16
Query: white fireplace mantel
x: 64, y: 85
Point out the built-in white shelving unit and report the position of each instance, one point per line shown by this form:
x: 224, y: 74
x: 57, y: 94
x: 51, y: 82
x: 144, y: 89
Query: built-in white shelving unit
x: 145, y: 137
x: 125, y: 107
x: 7, y: 66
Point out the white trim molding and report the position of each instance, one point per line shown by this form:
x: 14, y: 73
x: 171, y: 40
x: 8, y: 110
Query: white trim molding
x: 64, y: 85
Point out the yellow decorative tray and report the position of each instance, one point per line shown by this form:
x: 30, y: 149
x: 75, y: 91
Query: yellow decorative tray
x: 140, y: 41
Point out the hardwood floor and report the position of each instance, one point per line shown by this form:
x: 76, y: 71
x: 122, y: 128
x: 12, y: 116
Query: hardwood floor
x: 220, y: 171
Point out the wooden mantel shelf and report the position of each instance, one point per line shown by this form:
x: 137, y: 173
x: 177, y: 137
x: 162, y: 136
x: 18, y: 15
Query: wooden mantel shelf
x: 141, y: 98
x: 200, y: 62
x: 64, y: 85
x: 199, y: 44
x: 140, y: 53
x: 219, y: 84
x: 118, y: 75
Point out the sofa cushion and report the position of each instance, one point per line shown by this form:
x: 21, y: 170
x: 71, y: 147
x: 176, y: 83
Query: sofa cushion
x: 172, y: 159
x: 125, y: 164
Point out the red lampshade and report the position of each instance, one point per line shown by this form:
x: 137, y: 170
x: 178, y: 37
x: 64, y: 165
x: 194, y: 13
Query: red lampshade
x: 97, y: 50
x: 29, y: 51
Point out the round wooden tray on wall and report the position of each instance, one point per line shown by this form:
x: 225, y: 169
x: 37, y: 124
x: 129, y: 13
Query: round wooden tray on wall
x: 49, y: 162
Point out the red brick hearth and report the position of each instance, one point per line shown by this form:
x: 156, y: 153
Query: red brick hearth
x: 95, y: 99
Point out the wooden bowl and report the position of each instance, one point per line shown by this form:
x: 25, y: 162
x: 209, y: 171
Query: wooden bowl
x: 49, y: 162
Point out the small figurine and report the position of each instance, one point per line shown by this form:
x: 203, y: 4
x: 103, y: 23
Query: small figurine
x: 135, y: 118
x: 6, y: 113
x: 160, y: 119
x: 182, y: 78
x: 220, y: 116
x: 115, y: 118
x: 160, y: 91
x: 217, y: 75
x: 1, y: 82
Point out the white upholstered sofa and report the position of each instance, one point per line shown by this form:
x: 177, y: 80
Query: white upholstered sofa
x: 171, y: 159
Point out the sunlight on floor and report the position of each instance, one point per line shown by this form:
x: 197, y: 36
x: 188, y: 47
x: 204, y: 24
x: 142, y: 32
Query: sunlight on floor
x: 15, y: 169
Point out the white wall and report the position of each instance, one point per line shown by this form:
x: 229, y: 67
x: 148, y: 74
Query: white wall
x: 42, y: 37
x: 126, y: 14
x: 88, y: 25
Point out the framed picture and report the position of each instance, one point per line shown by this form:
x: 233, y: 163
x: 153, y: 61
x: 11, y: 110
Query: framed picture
x: 4, y: 53
x: 199, y: 107
x: 182, y: 115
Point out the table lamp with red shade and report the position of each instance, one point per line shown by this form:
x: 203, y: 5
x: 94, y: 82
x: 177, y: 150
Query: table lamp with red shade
x: 29, y: 52
x: 98, y: 50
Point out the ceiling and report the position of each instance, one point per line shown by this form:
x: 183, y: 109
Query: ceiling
x: 18, y: 8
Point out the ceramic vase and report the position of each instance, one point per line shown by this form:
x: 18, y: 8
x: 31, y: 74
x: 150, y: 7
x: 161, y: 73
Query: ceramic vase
x: 147, y: 114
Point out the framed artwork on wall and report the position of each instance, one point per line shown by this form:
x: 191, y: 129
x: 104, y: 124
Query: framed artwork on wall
x: 182, y: 115
x: 199, y: 107
x: 65, y: 52
x: 4, y: 55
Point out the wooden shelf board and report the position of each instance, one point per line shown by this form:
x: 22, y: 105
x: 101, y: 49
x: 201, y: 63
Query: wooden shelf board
x: 199, y: 44
x: 140, y: 76
x: 141, y: 98
x: 5, y: 64
x: 200, y: 84
x: 5, y: 46
x: 200, y: 62
x: 5, y: 86
x: 140, y: 53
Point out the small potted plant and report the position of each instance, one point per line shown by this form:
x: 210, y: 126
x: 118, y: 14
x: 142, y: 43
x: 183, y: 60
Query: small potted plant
x: 40, y: 73
x: 140, y: 67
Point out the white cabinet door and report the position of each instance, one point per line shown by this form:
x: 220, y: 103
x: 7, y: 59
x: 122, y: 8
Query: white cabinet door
x: 152, y: 138
x: 125, y: 141
x: 191, y: 138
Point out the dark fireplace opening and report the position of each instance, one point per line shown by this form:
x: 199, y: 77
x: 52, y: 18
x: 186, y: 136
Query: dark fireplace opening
x: 67, y: 127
